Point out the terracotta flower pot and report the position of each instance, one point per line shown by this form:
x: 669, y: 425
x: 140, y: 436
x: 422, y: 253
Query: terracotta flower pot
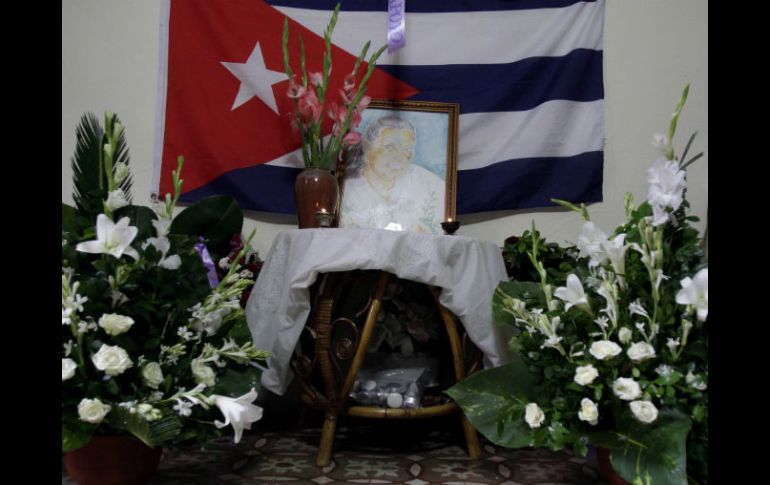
x: 315, y: 190
x: 112, y: 460
x: 606, y: 470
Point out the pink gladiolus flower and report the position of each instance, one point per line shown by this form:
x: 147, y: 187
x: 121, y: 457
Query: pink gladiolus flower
x: 309, y: 106
x: 355, y: 119
x: 350, y: 82
x: 347, y: 98
x: 352, y: 138
x: 364, y: 103
x: 295, y: 90
x: 316, y: 78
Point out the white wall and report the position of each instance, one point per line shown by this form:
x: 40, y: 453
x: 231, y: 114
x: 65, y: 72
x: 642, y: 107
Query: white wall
x: 652, y: 49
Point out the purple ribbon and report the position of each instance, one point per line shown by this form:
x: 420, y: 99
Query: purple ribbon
x: 207, y: 262
x: 396, y: 25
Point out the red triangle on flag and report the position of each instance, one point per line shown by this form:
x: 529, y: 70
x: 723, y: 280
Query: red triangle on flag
x: 216, y: 122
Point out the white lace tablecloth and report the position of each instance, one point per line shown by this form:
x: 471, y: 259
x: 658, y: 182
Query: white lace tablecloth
x: 467, y: 270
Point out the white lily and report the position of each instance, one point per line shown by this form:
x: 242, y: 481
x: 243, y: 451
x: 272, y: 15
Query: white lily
x: 695, y: 292
x: 573, y: 294
x: 615, y: 249
x: 238, y: 412
x: 111, y: 238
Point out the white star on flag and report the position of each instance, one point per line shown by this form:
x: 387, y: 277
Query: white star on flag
x: 256, y: 79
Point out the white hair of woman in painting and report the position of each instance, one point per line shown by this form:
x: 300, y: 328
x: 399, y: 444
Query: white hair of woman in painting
x: 383, y: 187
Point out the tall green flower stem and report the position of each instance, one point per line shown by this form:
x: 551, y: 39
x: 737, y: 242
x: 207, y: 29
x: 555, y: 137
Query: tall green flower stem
x: 314, y: 152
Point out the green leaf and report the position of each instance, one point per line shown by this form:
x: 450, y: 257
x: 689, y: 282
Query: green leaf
x: 75, y: 433
x: 152, y: 433
x: 88, y: 180
x: 236, y: 383
x: 527, y: 291
x: 657, y: 448
x: 489, y: 394
x: 216, y: 218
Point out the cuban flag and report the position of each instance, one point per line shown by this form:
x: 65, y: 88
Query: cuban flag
x: 527, y: 75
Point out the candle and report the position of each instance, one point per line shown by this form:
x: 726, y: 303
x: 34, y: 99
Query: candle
x: 449, y: 219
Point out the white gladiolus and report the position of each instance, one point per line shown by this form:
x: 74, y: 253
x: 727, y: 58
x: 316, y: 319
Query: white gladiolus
x: 626, y: 389
x: 115, y: 324
x: 68, y: 367
x: 116, y: 199
x: 163, y: 245
x: 667, y: 184
x: 640, y: 351
x: 585, y: 374
x: 695, y: 292
x: 644, y: 411
x: 604, y: 349
x: 92, y: 410
x: 238, y: 412
x: 152, y: 375
x: 533, y: 415
x: 111, y: 359
x: 615, y: 250
x: 589, y: 412
x: 590, y: 241
x: 203, y: 374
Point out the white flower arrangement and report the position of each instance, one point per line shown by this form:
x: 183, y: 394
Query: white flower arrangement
x: 626, y: 366
x: 150, y: 346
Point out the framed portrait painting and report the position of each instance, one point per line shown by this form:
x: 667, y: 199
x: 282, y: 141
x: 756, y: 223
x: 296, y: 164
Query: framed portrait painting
x: 402, y: 176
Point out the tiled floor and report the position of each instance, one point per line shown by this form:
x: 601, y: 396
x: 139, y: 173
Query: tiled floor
x: 383, y: 455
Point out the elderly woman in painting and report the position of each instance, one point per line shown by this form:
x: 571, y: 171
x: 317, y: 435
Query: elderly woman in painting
x: 384, y: 189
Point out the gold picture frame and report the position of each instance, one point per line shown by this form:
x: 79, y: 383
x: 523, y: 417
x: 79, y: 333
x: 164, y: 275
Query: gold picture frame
x: 403, y: 174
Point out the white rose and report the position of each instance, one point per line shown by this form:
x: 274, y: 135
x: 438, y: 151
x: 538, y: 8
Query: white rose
x: 624, y: 335
x: 68, y: 367
x: 115, y: 324
x: 589, y: 412
x: 644, y: 411
x: 604, y: 349
x: 112, y: 359
x: 203, y: 374
x: 626, y: 389
x: 533, y: 415
x: 640, y: 351
x: 585, y: 374
x: 92, y: 410
x: 152, y: 375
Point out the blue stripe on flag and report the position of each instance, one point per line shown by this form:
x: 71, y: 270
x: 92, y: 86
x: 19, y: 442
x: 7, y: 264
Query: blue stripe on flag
x: 530, y: 182
x: 520, y: 183
x: 427, y: 6
x: 516, y: 86
x: 261, y: 188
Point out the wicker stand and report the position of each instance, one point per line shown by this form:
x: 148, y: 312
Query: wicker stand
x: 333, y: 349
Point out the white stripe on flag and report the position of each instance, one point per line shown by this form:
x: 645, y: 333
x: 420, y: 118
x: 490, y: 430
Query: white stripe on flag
x: 485, y: 37
x: 553, y: 129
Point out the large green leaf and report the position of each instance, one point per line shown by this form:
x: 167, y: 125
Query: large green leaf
x: 74, y: 433
x: 236, y: 383
x: 488, y: 395
x: 216, y: 218
x: 527, y: 291
x: 657, y: 449
x: 152, y: 433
